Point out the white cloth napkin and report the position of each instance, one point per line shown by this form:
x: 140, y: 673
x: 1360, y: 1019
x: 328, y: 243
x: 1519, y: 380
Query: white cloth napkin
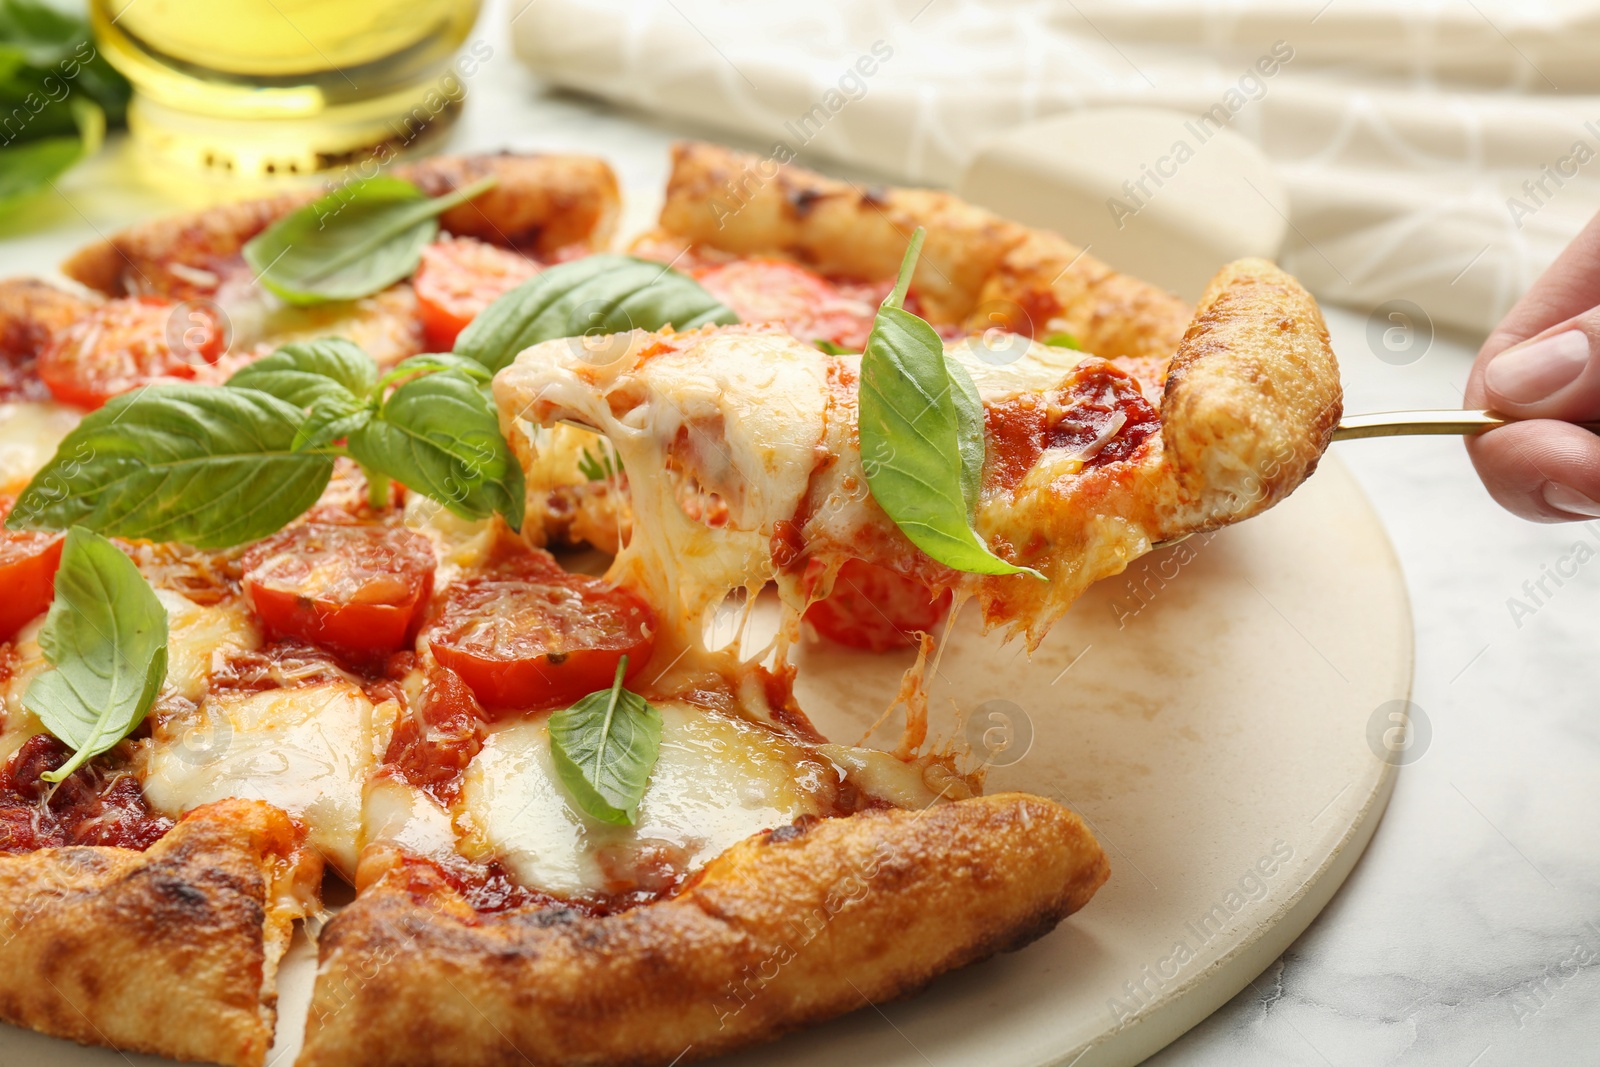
x: 1440, y: 153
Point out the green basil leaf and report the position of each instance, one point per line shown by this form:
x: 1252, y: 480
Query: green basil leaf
x: 1064, y: 340
x: 331, y: 417
x: 43, y: 34
x: 192, y: 463
x: 105, y: 638
x: 353, y: 242
x: 597, y: 468
x: 306, y: 371
x: 26, y: 168
x: 831, y: 349
x: 604, y: 748
x: 429, y: 362
x: 969, y: 429
x: 920, y: 430
x: 440, y: 436
x: 598, y: 294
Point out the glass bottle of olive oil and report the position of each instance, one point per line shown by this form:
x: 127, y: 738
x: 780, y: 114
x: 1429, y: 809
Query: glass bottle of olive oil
x: 256, y: 87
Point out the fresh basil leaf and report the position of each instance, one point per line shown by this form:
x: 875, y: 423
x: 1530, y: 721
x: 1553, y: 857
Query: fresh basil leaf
x: 43, y: 34
x: 604, y: 748
x: 306, y: 371
x: 439, y: 435
x: 27, y: 167
x: 353, y: 242
x: 969, y: 429
x: 598, y: 468
x: 1063, y: 340
x: 105, y: 638
x: 597, y: 294
x: 192, y: 463
x: 920, y: 430
x: 831, y: 349
x: 429, y: 362
x: 329, y: 418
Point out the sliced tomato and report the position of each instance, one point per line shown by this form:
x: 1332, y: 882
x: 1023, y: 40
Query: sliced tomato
x: 358, y: 591
x: 874, y: 608
x: 529, y: 635
x: 459, y: 277
x: 28, y: 563
x: 806, y: 304
x: 125, y: 343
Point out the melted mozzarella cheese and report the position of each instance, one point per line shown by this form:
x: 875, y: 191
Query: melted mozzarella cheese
x: 307, y: 751
x: 30, y: 432
x: 717, y: 782
x: 459, y: 544
x: 199, y: 638
x: 1014, y: 365
x: 397, y: 813
x: 718, y: 436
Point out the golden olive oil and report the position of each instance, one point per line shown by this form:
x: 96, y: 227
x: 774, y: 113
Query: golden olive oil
x: 257, y: 87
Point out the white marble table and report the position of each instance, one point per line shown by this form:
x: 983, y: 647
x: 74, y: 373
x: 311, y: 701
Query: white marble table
x: 1469, y: 934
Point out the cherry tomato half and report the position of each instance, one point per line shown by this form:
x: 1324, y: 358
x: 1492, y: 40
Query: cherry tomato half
x: 529, y: 635
x: 806, y: 304
x: 459, y: 277
x: 874, y: 608
x: 359, y: 591
x: 128, y: 342
x: 28, y: 562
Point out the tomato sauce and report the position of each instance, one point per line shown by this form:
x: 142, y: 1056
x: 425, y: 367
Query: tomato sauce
x: 438, y: 736
x: 1081, y: 416
x: 100, y: 803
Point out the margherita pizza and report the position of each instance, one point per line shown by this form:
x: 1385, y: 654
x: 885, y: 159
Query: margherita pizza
x: 283, y: 480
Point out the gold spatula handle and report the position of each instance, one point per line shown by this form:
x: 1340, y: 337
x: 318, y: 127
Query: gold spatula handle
x: 1410, y: 423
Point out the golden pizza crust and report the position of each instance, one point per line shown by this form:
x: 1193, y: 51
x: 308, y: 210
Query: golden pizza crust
x: 173, y: 951
x: 976, y: 269
x: 1252, y: 397
x: 787, y: 929
x: 541, y: 204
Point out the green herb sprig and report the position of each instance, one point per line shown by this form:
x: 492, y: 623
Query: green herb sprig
x: 57, y: 93
x: 921, y: 434
x: 216, y: 467
x: 357, y: 240
x: 105, y: 638
x: 604, y: 748
x: 602, y: 294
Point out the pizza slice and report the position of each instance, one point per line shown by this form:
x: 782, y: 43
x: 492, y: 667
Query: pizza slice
x: 1116, y: 416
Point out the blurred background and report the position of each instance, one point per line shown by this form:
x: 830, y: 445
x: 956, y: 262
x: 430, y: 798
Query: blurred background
x: 1416, y: 165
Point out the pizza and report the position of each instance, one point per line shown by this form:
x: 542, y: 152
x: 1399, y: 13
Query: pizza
x: 295, y: 490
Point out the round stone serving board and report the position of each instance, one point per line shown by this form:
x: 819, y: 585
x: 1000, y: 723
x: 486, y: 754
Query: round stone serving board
x: 1208, y: 713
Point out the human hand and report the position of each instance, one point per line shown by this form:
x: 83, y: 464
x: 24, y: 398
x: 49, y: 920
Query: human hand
x: 1542, y: 363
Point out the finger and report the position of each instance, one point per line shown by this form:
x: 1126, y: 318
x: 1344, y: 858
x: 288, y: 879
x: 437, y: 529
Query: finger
x: 1569, y: 287
x: 1541, y: 470
x: 1553, y: 375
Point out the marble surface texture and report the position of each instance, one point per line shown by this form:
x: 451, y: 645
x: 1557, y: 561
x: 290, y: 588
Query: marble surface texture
x: 1469, y: 933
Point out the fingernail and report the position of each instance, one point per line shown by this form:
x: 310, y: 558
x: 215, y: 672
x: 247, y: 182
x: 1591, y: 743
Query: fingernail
x: 1565, y: 498
x: 1533, y: 371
